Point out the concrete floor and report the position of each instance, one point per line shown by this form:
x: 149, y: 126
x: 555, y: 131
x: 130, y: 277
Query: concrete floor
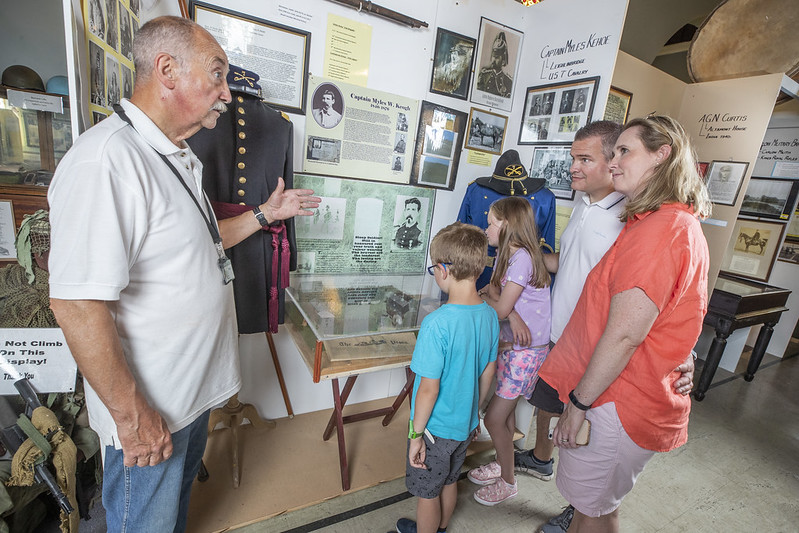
x: 738, y: 472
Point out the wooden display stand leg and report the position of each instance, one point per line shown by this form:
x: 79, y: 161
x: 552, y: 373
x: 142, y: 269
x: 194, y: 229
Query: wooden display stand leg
x: 759, y: 350
x: 279, y: 373
x: 337, y: 419
x: 231, y: 416
x: 711, y: 363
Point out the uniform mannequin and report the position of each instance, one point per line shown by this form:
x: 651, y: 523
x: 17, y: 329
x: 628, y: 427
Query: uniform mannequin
x: 509, y: 179
x: 243, y: 156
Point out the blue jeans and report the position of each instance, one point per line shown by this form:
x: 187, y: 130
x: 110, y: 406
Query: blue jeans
x: 154, y: 499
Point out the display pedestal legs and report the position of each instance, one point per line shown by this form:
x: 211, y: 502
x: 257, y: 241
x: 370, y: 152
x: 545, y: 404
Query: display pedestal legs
x: 337, y: 419
x: 231, y: 416
x: 279, y: 373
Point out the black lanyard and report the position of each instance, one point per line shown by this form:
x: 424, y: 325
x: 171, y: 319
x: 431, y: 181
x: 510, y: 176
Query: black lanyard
x: 224, y: 262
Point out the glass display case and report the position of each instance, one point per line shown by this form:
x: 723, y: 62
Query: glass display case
x: 345, y: 325
x: 349, y: 324
x: 31, y: 145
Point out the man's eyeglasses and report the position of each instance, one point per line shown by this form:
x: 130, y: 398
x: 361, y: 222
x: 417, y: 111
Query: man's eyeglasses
x: 431, y: 269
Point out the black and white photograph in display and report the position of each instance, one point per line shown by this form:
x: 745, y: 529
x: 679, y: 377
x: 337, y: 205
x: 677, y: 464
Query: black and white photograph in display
x: 97, y: 73
x: 452, y: 64
x: 770, y: 198
x: 753, y: 248
x: 498, y: 55
x: 724, y: 179
x: 553, y: 113
x: 552, y: 163
x: 486, y: 131
x: 322, y: 149
x: 409, y: 222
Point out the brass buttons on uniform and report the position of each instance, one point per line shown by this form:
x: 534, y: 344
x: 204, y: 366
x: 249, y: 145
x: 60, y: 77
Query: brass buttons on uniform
x: 241, y: 165
x: 241, y: 122
x: 242, y: 135
x: 242, y: 180
x: 242, y: 203
x: 242, y: 150
x: 241, y: 192
x: 240, y: 110
x: 239, y: 99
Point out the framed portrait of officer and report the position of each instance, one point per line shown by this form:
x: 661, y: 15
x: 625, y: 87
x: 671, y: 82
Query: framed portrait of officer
x: 498, y: 54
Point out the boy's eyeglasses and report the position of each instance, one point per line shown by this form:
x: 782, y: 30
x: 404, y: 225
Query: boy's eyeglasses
x: 431, y: 269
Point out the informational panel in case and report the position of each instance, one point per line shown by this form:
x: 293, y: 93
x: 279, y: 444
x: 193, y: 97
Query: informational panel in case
x: 39, y: 355
x: 355, y: 132
x: 363, y: 227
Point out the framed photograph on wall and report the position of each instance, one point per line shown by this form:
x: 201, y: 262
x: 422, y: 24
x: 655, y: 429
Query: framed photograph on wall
x: 753, y: 248
x: 617, y: 108
x: 553, y: 113
x: 789, y: 252
x: 552, y: 164
x: 253, y: 43
x: 770, y: 198
x: 486, y: 131
x: 793, y: 226
x: 452, y: 64
x: 724, y: 179
x: 498, y: 53
x: 438, y: 146
x: 8, y: 233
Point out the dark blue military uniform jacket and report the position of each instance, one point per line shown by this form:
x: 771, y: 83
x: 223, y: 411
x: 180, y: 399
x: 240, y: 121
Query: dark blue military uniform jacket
x: 243, y: 156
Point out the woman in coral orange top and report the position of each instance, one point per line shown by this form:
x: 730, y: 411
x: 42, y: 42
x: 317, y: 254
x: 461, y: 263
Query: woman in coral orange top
x: 638, y: 317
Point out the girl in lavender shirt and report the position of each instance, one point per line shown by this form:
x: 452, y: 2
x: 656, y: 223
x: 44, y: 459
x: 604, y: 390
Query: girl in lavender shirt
x: 519, y: 291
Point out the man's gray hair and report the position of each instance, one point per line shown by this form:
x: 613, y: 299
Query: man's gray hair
x: 173, y: 35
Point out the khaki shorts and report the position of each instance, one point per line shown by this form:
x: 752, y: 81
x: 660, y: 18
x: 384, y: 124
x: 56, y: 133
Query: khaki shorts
x: 596, y: 478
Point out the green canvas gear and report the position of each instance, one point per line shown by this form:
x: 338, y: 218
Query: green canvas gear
x: 33, y: 238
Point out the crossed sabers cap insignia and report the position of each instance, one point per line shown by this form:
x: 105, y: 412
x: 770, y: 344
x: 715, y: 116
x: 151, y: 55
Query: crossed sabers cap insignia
x: 238, y: 76
x: 513, y: 170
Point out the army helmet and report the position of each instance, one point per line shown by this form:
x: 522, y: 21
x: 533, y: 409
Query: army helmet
x: 22, y: 77
x: 58, y: 85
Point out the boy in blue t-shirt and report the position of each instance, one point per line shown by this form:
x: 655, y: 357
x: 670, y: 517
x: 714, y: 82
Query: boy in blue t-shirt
x: 454, y: 361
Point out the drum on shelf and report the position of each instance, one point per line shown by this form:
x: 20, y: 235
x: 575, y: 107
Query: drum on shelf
x: 743, y: 38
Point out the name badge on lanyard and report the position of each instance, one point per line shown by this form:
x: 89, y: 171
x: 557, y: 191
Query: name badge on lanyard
x: 224, y: 263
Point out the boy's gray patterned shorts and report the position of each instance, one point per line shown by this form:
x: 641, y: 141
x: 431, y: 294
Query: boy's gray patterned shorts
x: 444, y: 460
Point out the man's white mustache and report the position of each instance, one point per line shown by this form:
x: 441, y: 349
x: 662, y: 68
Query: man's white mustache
x: 219, y: 107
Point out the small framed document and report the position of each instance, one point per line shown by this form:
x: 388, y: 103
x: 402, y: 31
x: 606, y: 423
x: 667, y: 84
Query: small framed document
x: 724, y: 180
x: 8, y: 250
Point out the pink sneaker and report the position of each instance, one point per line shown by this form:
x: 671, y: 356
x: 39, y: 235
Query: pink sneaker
x: 486, y: 474
x: 496, y: 493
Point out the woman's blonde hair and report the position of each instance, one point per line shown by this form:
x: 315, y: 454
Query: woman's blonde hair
x: 518, y: 231
x: 676, y: 178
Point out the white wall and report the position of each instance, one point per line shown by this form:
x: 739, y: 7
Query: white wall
x: 784, y: 274
x: 401, y: 59
x: 33, y: 36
